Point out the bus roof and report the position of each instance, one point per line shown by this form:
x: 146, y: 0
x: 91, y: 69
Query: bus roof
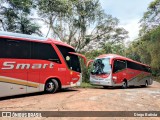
x: 57, y: 42
x: 20, y: 36
x: 120, y: 57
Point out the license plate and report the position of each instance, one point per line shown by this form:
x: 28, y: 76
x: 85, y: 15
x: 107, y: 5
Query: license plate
x: 97, y: 82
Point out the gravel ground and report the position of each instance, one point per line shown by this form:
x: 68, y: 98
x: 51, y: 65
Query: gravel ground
x: 88, y: 99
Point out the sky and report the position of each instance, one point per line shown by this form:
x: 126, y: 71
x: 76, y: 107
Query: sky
x: 129, y: 12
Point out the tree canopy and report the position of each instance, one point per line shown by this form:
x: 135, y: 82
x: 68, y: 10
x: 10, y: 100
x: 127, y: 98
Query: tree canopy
x: 84, y: 25
x: 146, y: 48
x: 15, y: 16
x: 80, y: 23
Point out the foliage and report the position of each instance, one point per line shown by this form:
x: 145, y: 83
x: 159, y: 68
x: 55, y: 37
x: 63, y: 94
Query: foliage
x: 151, y: 18
x: 14, y: 17
x: 84, y: 25
x: 107, y: 32
x: 80, y: 23
x: 86, y: 85
x: 146, y: 48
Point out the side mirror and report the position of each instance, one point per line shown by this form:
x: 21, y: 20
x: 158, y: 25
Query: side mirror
x: 89, y: 62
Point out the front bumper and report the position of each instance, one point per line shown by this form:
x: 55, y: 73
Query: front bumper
x: 76, y: 84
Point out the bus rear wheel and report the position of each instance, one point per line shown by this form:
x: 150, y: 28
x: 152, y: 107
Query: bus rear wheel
x: 146, y: 84
x: 51, y: 86
x: 124, y: 84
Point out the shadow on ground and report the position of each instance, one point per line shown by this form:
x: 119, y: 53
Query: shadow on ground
x: 36, y: 94
x: 118, y: 87
x: 70, y: 90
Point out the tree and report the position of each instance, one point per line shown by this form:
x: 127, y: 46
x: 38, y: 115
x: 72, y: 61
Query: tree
x: 88, y: 13
x: 146, y: 48
x: 118, y: 48
x: 152, y: 41
x: 151, y: 18
x: 108, y: 32
x: 80, y: 23
x: 138, y: 51
x: 14, y: 16
x: 52, y: 12
x: 150, y: 34
x: 69, y: 20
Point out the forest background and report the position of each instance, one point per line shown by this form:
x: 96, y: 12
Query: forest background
x: 87, y: 27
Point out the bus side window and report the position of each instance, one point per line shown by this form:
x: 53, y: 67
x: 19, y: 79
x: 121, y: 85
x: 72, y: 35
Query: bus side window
x: 14, y: 49
x: 115, y: 66
x: 44, y: 51
x: 119, y: 65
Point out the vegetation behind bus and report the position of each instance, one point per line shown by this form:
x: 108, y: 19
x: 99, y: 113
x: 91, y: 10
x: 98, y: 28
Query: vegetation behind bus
x: 145, y: 48
x: 71, y: 20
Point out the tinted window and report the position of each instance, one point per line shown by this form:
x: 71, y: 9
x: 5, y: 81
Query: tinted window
x: 71, y: 60
x: 14, y: 49
x: 20, y: 49
x: 119, y: 65
x: 44, y: 51
x: 136, y: 66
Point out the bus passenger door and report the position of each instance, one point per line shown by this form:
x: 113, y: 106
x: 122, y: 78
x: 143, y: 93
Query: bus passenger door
x: 69, y: 72
x: 75, y: 69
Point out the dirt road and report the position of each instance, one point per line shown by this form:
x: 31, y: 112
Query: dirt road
x: 90, y: 99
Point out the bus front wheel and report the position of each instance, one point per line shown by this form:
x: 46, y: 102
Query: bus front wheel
x: 124, y: 84
x: 146, y: 84
x: 51, y: 86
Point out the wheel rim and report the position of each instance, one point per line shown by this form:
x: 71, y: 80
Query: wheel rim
x: 50, y: 86
x: 124, y: 84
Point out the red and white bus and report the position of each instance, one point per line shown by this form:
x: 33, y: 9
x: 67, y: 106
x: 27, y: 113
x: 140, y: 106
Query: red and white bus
x: 115, y: 70
x: 32, y: 64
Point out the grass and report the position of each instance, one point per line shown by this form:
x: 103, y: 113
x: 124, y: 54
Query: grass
x: 86, y: 85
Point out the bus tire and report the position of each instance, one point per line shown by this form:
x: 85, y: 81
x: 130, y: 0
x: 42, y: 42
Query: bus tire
x: 146, y: 84
x: 51, y: 86
x: 124, y: 84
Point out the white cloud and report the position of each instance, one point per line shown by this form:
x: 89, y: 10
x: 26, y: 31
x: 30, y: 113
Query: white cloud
x: 133, y: 28
x: 129, y: 12
x: 44, y: 29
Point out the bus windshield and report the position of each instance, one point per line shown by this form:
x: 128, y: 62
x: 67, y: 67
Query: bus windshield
x: 101, y: 66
